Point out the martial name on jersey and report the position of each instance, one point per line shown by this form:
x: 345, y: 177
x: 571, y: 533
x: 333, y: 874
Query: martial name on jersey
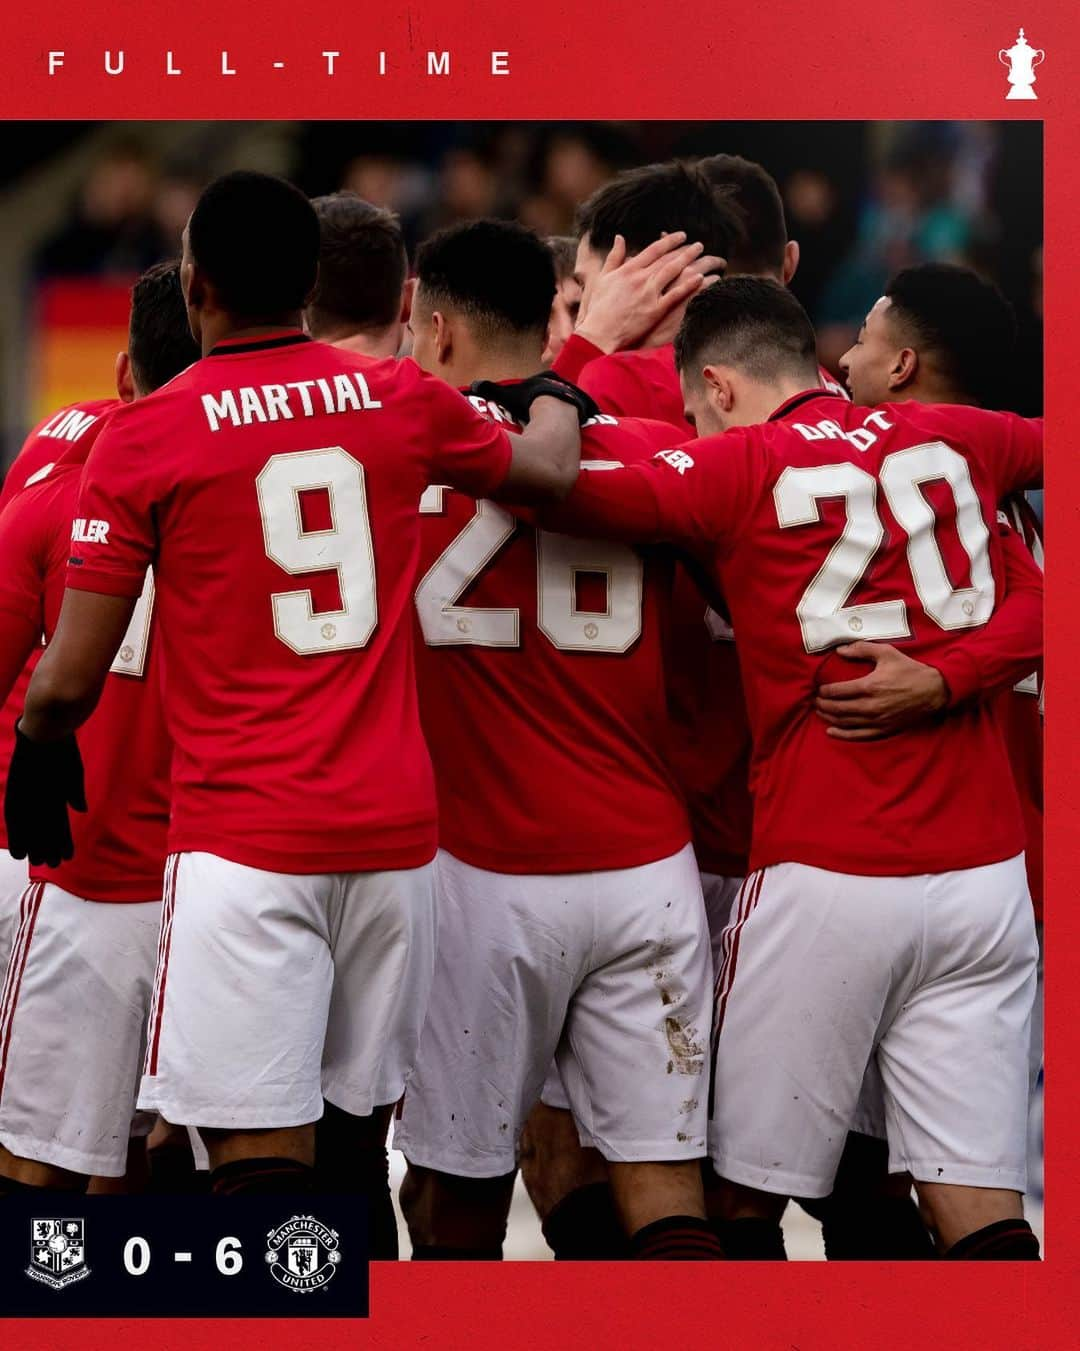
x: 342, y: 393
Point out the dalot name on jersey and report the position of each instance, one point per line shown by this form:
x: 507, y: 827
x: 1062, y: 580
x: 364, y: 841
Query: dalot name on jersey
x: 299, y: 398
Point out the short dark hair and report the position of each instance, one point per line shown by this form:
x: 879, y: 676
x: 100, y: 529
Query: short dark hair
x: 498, y: 273
x: 763, y: 238
x: 256, y: 238
x: 963, y: 319
x: 564, y: 253
x: 642, y: 204
x: 752, y: 323
x: 362, y: 265
x: 160, y: 344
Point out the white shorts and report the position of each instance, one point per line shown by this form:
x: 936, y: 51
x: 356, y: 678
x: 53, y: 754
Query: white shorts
x: 608, y: 972
x: 870, y: 1114
x: 73, y: 1029
x: 932, y: 976
x: 13, y: 882
x: 719, y: 894
x: 277, y: 990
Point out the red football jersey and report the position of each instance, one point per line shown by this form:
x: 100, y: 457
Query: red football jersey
x: 120, y: 840
x: 276, y: 485
x: 78, y: 424
x: 711, y: 735
x: 711, y: 742
x: 542, y: 683
x: 1022, y: 719
x: 825, y: 524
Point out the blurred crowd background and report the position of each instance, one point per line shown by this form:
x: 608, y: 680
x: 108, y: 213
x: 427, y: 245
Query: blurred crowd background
x: 87, y: 206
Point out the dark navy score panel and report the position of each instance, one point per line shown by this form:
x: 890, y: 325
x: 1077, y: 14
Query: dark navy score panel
x: 183, y: 1257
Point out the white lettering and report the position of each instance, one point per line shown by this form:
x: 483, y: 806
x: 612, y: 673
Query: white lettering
x: 302, y: 387
x: 77, y: 423
x: 807, y: 432
x: 250, y: 406
x: 346, y: 395
x: 170, y: 69
x: 219, y: 411
x: 56, y: 60
x: 328, y: 398
x: 382, y: 63
x: 678, y: 459
x: 879, y: 420
x: 500, y: 63
x: 438, y: 63
x: 225, y: 67
x: 108, y: 64
x: 89, y: 532
x: 861, y: 439
x: 366, y: 401
x: 330, y: 58
x: 277, y: 402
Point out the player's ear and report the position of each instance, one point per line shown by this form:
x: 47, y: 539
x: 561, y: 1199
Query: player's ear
x: 718, y: 387
x: 791, y: 260
x: 125, y: 384
x: 444, y: 344
x: 195, y: 292
x: 408, y: 293
x: 904, y: 369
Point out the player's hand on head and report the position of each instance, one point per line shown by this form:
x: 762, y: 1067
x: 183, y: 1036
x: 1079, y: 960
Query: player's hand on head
x: 518, y: 398
x: 44, y: 780
x: 897, y: 693
x: 634, y: 299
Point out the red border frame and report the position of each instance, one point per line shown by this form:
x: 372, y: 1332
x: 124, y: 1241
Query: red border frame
x: 638, y: 59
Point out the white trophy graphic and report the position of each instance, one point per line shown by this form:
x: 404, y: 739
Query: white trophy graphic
x: 1021, y: 60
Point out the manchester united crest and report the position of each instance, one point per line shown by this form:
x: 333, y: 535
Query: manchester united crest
x: 302, y: 1253
x: 58, y: 1252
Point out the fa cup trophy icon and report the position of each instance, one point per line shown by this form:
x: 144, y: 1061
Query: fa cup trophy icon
x: 1022, y: 60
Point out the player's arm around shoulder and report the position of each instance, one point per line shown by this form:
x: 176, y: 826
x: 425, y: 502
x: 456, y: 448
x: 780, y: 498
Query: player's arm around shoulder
x: 675, y: 496
x: 902, y: 692
x: 477, y: 455
x: 545, y: 456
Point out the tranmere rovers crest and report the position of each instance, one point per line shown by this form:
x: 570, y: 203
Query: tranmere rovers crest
x: 302, y: 1253
x: 58, y: 1252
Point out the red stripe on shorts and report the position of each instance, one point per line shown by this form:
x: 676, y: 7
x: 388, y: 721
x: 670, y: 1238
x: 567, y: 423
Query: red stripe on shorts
x: 164, y: 945
x: 20, y: 949
x: 732, y: 934
x: 16, y: 948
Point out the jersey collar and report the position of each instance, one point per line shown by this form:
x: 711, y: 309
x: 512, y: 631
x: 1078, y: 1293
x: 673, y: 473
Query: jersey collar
x: 797, y: 400
x: 287, y: 337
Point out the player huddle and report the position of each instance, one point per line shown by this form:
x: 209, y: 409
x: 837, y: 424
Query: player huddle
x: 593, y: 739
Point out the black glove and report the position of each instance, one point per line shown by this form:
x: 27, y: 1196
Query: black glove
x: 517, y: 399
x: 44, y: 779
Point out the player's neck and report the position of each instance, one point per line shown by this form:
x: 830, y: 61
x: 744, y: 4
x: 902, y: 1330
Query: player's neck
x: 224, y: 327
x: 498, y: 366
x: 764, y: 399
x: 377, y: 345
x: 935, y: 391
